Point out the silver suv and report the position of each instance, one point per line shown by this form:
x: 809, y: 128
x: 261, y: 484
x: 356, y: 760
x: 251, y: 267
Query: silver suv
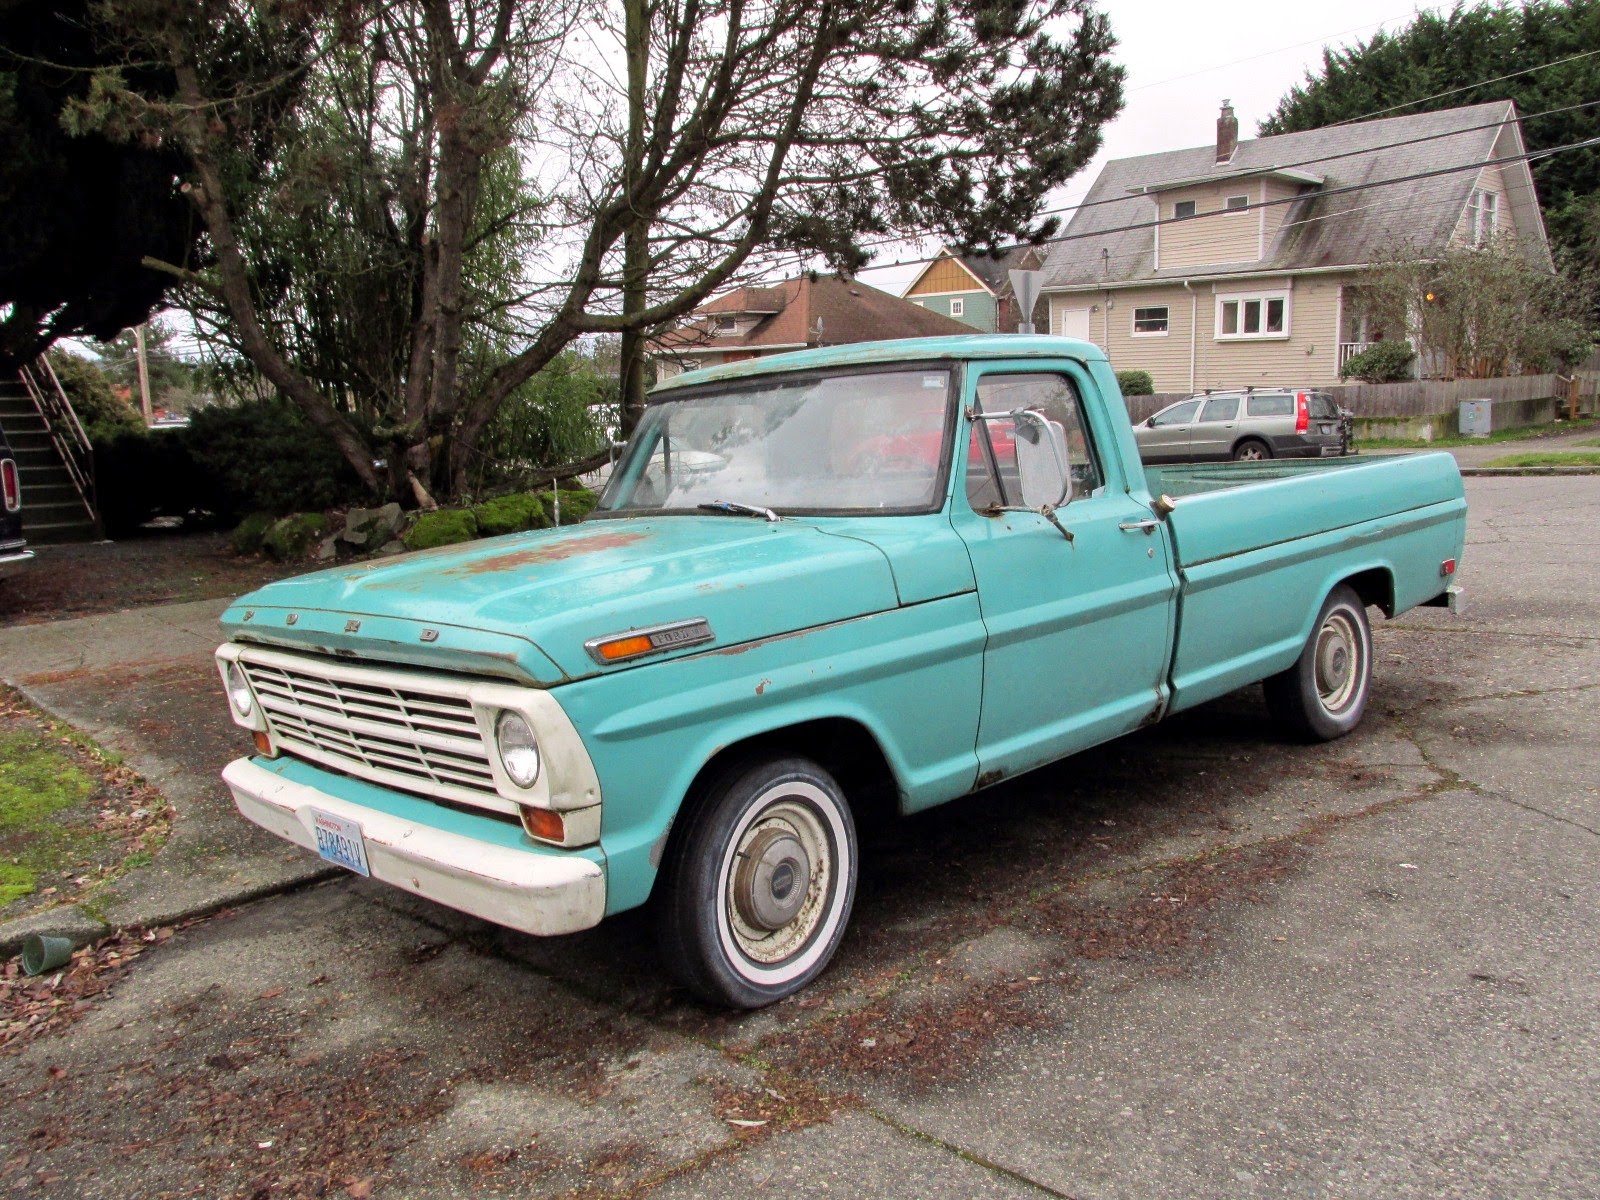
x: 1251, y: 423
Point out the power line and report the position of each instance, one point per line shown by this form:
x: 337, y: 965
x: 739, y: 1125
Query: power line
x: 1324, y: 40
x: 1403, y: 143
x: 1467, y: 88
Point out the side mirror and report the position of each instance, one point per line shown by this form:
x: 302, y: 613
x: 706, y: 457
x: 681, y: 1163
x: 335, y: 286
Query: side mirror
x: 1150, y: 422
x: 1042, y: 462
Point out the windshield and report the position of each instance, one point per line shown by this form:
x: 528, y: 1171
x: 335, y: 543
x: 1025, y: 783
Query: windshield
x: 867, y: 441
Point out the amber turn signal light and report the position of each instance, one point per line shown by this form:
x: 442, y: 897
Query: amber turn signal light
x: 625, y: 647
x: 263, y: 743
x: 543, y: 824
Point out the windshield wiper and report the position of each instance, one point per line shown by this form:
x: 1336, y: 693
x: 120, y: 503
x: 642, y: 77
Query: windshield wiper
x: 734, y: 508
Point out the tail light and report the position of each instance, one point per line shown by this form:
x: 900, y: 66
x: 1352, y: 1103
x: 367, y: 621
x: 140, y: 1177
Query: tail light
x: 10, y: 486
x: 1302, y: 412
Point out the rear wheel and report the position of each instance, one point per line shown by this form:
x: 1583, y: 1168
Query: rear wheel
x: 1324, y: 694
x: 758, y: 889
x: 1251, y: 450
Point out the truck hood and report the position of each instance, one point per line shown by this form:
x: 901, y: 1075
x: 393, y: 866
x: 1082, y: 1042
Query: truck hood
x: 523, y: 606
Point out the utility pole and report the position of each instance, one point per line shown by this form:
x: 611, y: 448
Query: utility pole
x: 636, y: 237
x: 144, y: 374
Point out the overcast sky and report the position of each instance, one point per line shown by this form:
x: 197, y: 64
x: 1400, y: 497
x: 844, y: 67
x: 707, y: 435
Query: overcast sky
x: 1185, y: 58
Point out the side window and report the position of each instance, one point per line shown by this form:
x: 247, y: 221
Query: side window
x: 1223, y: 408
x: 993, y: 447
x: 1271, y: 406
x: 1178, y: 414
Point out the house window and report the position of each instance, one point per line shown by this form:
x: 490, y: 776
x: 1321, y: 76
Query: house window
x: 1483, y: 218
x: 1182, y: 209
x: 1263, y: 316
x: 727, y: 324
x: 958, y: 308
x: 1238, y: 203
x: 1149, y: 321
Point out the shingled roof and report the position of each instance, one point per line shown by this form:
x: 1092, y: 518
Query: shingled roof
x: 1110, y: 239
x: 820, y: 311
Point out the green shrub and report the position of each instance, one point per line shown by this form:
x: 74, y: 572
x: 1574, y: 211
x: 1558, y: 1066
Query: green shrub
x: 293, y: 536
x: 101, y: 412
x: 576, y: 503
x: 510, y: 514
x: 442, y: 528
x: 1384, y: 362
x: 1136, y: 383
x: 262, y: 456
x: 251, y: 532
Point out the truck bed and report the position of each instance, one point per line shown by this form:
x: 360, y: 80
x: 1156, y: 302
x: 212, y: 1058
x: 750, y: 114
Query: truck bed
x: 1258, y: 545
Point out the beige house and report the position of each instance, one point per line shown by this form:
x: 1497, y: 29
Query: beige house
x: 1233, y: 265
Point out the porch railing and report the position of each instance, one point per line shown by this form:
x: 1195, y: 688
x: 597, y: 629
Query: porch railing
x: 1348, y: 350
x: 66, y: 431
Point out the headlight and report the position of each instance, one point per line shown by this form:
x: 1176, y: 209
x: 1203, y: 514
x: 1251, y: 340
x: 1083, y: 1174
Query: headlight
x: 519, y: 750
x: 239, y: 691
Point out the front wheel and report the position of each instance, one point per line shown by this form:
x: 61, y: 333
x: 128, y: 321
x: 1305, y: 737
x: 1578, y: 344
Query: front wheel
x: 1324, y: 694
x: 758, y: 889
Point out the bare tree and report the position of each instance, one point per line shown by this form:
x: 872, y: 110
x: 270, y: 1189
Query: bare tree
x: 503, y: 177
x: 1477, y: 312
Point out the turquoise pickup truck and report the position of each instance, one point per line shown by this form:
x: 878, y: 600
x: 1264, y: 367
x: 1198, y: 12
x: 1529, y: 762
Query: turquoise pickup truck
x: 877, y: 576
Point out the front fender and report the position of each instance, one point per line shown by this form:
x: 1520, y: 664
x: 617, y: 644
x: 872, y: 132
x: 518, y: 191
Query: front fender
x: 911, y: 676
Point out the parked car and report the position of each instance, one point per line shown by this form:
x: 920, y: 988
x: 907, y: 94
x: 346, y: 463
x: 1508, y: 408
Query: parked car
x: 14, y: 552
x: 1251, y: 423
x: 690, y: 698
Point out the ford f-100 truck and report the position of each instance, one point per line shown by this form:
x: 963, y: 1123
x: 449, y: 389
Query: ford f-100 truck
x: 812, y: 585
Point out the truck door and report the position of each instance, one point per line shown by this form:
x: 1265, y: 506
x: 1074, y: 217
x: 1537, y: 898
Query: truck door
x: 1079, y: 630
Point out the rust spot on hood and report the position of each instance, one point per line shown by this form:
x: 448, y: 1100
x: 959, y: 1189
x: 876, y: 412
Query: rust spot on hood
x: 532, y: 556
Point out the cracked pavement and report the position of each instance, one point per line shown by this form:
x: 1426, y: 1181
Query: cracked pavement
x: 1197, y: 962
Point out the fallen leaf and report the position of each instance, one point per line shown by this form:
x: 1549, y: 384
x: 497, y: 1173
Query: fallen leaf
x: 271, y: 994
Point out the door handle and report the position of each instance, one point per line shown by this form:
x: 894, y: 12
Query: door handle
x: 1147, y: 526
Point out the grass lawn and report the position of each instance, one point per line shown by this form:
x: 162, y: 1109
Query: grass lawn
x: 1560, y: 428
x: 72, y: 818
x: 1569, y: 458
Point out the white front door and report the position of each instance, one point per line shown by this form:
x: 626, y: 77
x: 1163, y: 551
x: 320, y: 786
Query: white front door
x: 1073, y: 323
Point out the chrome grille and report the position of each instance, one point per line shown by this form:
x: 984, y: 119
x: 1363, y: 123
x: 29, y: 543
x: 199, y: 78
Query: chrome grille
x: 418, y: 738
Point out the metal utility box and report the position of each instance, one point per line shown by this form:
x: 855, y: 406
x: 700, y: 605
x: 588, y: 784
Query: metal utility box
x: 1476, y: 418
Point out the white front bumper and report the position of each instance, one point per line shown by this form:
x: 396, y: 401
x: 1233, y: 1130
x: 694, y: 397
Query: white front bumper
x: 526, y: 890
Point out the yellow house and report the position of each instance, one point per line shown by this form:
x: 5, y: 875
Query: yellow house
x: 1233, y: 265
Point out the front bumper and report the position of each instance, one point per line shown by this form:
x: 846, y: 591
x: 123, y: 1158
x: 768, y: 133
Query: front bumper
x: 523, y: 888
x: 14, y: 562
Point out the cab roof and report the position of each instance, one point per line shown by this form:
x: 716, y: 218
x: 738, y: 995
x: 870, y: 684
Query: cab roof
x: 918, y: 350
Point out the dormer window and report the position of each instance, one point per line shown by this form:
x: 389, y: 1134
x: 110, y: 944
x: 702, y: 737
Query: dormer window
x: 1183, y: 209
x: 727, y: 324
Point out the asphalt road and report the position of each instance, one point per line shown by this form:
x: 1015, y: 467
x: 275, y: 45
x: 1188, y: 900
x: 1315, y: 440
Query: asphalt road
x: 1195, y: 963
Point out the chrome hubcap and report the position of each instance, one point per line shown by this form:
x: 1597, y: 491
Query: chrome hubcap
x: 771, y: 879
x: 1338, y: 660
x: 778, y: 881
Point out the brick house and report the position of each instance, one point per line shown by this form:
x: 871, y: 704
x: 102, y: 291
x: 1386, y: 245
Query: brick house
x: 795, y: 314
x: 1233, y: 264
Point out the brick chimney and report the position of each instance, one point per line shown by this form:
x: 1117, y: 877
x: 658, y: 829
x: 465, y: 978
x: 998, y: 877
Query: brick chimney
x: 1227, y: 133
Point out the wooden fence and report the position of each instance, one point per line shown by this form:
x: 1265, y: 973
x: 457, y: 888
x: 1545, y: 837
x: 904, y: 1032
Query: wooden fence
x: 1416, y: 398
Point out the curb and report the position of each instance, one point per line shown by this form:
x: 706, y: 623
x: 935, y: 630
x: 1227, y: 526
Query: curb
x: 71, y: 921
x: 1490, y: 471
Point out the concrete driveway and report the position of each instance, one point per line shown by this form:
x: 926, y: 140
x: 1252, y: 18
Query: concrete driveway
x: 1194, y: 963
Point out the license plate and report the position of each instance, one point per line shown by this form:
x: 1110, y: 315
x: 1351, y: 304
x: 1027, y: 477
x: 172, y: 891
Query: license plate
x: 340, y: 842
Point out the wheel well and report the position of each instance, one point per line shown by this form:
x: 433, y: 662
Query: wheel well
x: 1375, y: 587
x: 844, y: 748
x: 1252, y: 437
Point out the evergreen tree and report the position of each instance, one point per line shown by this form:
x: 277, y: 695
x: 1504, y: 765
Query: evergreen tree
x: 1465, y: 56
